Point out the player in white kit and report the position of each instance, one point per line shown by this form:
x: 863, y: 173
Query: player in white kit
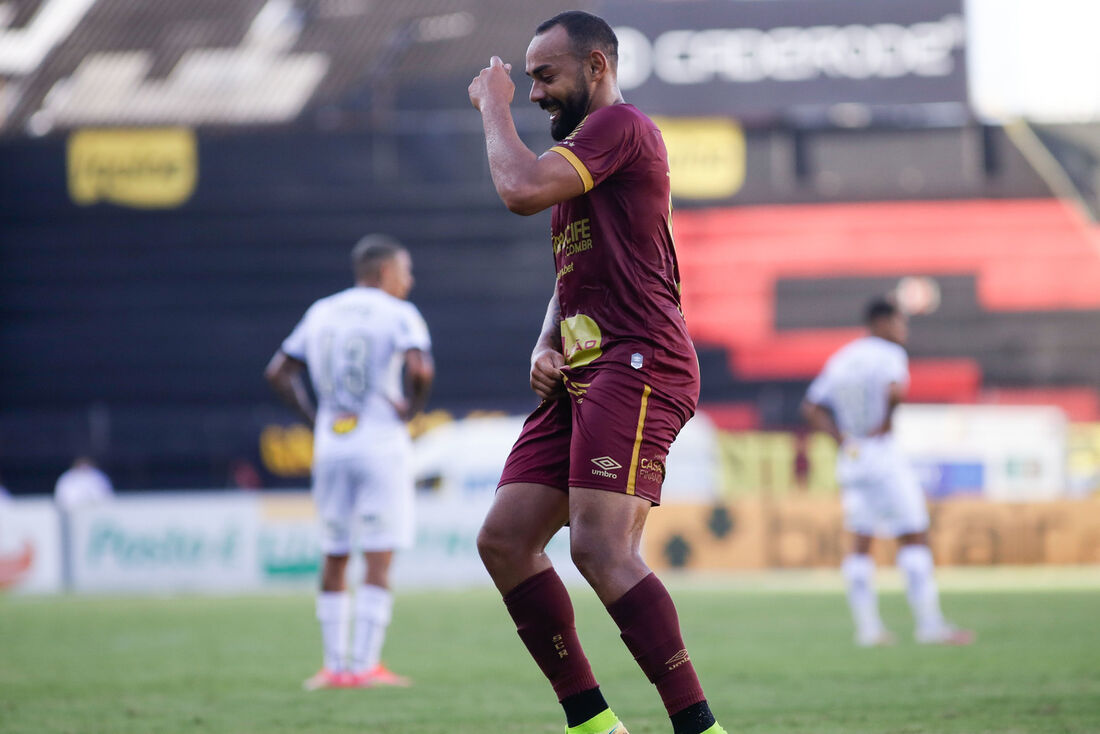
x: 853, y: 399
x: 368, y: 355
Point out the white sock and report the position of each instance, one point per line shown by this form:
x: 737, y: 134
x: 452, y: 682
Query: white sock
x: 859, y: 573
x: 373, y: 611
x: 915, y: 561
x: 331, y: 613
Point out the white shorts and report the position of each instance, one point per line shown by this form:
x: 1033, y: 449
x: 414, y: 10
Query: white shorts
x: 881, y: 494
x: 367, y: 500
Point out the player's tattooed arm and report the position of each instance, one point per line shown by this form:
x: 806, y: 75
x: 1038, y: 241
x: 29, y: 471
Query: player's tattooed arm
x: 286, y: 375
x: 546, y: 358
x: 820, y: 419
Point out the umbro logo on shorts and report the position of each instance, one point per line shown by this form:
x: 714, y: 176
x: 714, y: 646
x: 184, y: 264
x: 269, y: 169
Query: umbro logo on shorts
x: 606, y: 465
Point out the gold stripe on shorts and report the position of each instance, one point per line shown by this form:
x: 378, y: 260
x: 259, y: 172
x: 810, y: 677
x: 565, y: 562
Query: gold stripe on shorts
x: 632, y: 475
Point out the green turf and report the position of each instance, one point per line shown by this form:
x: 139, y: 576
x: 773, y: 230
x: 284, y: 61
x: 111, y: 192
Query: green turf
x: 770, y: 662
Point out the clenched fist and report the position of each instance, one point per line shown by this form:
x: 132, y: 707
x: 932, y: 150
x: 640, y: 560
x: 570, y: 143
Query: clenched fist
x: 493, y: 84
x: 546, y: 379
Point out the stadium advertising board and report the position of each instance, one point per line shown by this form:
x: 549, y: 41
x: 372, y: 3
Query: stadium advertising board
x: 706, y: 156
x: 445, y: 553
x: 162, y: 543
x: 144, y: 169
x: 1007, y: 453
x: 30, y: 546
x: 752, y: 59
x: 288, y: 544
x: 1083, y: 459
x: 806, y: 531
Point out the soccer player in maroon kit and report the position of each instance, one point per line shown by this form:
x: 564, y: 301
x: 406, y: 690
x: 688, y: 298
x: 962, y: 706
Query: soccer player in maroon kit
x: 614, y: 366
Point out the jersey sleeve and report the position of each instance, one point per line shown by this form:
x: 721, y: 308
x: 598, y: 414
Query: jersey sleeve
x: 899, y: 368
x: 413, y: 331
x: 295, y: 344
x: 820, y: 388
x: 602, y: 144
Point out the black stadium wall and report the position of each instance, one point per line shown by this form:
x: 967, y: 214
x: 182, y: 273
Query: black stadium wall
x: 142, y: 335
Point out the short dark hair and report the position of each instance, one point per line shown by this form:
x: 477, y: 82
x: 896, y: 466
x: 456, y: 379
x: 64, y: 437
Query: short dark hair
x: 587, y: 33
x: 880, y: 307
x: 370, y: 252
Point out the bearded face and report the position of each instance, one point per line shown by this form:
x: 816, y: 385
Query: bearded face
x: 559, y: 83
x: 567, y: 108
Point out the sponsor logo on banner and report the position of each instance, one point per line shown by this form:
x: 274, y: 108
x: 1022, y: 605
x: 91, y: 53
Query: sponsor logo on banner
x: 289, y: 539
x: 706, y: 156
x: 145, y: 169
x: 715, y: 57
x: 16, y: 566
x: 30, y: 546
x: 287, y: 451
x: 290, y: 551
x: 166, y: 543
x: 807, y: 532
x: 167, y: 546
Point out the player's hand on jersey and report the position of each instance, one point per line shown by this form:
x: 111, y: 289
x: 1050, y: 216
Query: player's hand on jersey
x: 546, y: 379
x: 493, y: 84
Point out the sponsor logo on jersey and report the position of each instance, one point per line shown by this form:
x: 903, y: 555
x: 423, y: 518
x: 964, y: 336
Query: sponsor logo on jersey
x: 344, y: 424
x: 605, y: 466
x: 574, y: 238
x: 581, y: 340
x: 652, y: 469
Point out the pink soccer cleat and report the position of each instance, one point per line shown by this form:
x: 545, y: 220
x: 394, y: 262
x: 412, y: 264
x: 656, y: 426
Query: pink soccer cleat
x: 879, y: 638
x: 325, y: 678
x: 946, y: 634
x: 380, y: 675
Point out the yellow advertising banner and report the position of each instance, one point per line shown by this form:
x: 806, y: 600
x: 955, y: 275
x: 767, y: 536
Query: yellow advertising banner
x: 141, y: 168
x: 706, y: 156
x: 807, y: 531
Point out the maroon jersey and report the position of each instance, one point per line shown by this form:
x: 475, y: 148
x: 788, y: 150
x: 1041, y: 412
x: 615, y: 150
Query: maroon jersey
x: 618, y: 282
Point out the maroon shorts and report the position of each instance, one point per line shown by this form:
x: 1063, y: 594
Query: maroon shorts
x: 611, y: 431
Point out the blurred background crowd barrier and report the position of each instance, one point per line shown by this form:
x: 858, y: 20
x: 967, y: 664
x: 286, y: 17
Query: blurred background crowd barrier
x: 179, y: 181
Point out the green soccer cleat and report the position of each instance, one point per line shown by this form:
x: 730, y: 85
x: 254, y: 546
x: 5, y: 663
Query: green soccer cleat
x: 605, y: 722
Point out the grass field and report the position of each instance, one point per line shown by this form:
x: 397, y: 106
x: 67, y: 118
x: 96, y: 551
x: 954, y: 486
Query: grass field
x: 771, y: 661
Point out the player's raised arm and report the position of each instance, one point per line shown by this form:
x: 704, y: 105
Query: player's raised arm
x: 525, y: 182
x: 286, y: 375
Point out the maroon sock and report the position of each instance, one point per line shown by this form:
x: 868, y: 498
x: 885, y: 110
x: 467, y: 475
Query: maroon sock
x: 543, y: 615
x: 651, y: 630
